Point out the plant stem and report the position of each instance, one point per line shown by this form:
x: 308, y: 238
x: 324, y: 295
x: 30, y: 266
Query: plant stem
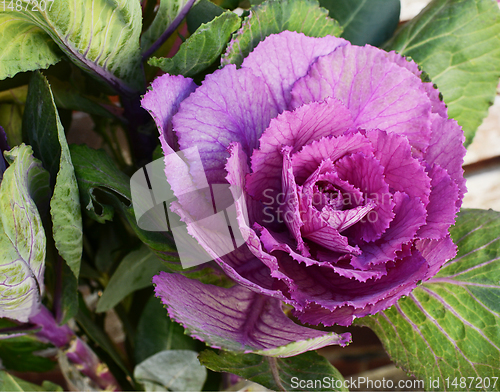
x: 142, y: 138
x: 76, y: 350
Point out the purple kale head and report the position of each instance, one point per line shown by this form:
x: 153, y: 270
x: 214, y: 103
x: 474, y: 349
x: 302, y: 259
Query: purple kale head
x: 350, y: 167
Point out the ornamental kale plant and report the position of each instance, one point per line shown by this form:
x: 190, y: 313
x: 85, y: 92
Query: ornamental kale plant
x: 355, y: 173
x: 305, y: 156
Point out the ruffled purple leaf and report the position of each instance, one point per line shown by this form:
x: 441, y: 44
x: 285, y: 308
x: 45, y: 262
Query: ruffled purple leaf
x: 367, y: 174
x: 409, y: 217
x: 237, y: 319
x: 282, y: 59
x: 402, y: 172
x: 446, y: 149
x: 162, y: 102
x: 230, y: 106
x: 295, y: 129
x: 338, y: 300
x: 441, y: 210
x: 307, y: 160
x: 379, y: 93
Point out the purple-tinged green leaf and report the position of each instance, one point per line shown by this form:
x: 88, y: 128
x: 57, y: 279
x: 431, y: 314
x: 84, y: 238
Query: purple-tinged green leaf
x: 273, y: 17
x: 22, y: 236
x: 238, y: 319
x: 449, y: 326
x: 307, y: 371
x: 100, y: 36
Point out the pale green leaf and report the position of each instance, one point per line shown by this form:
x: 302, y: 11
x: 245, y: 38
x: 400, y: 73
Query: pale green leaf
x: 25, y: 47
x: 22, y: 237
x: 305, y: 372
x: 202, y: 48
x: 457, y: 42
x: 172, y: 370
x: 134, y: 272
x: 272, y: 17
x: 449, y: 327
x: 100, y: 36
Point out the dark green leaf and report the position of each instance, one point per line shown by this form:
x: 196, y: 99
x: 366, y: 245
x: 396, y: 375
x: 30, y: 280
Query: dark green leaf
x: 157, y: 153
x: 457, y: 42
x: 97, y: 175
x: 173, y: 370
x: 10, y: 383
x: 278, y: 374
x: 113, y: 242
x: 450, y: 326
x: 44, y: 131
x: 69, y: 294
x: 365, y: 21
x: 203, y: 12
x: 67, y: 96
x: 230, y: 4
x: 134, y: 272
x: 156, y: 332
x: 16, y: 353
x: 275, y: 16
x: 202, y: 48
